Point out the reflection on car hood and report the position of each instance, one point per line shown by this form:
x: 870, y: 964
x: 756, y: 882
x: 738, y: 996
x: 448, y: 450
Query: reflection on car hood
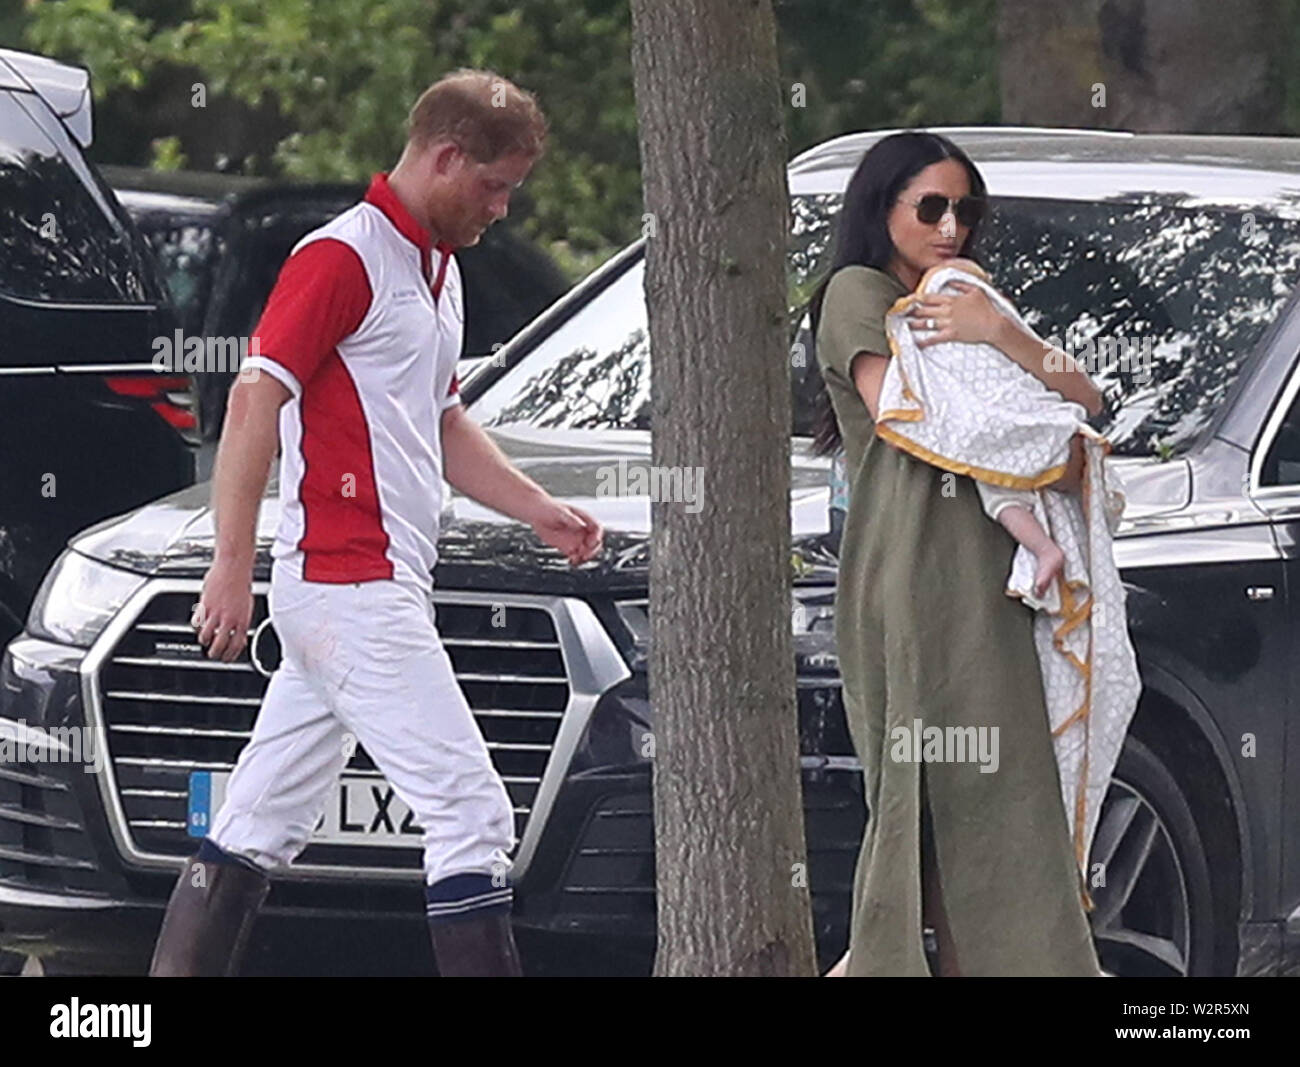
x: 479, y: 549
x: 1151, y: 488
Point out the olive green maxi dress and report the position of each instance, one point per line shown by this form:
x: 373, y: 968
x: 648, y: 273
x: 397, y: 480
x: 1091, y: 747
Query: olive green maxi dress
x: 925, y: 632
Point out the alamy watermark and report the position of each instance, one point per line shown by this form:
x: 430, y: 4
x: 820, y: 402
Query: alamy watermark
x: 20, y: 743
x: 945, y: 744
x: 1132, y: 357
x: 75, y: 1019
x: 179, y: 354
x: 674, y: 485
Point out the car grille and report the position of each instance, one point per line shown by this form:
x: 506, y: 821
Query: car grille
x: 42, y: 842
x: 168, y: 710
x: 611, y: 874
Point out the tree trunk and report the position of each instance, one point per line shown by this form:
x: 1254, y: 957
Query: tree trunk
x: 1164, y: 66
x: 732, y: 893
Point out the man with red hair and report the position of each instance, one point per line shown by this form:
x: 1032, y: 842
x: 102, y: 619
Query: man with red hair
x: 354, y: 379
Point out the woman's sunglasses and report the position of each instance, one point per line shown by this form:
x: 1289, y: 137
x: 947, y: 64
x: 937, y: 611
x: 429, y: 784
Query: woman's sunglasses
x: 932, y: 207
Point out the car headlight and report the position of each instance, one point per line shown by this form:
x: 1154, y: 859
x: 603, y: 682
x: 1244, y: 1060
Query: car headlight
x: 78, y: 598
x: 812, y: 622
x: 635, y: 616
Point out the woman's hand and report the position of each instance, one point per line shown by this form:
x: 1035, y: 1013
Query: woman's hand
x: 973, y: 318
x: 970, y: 316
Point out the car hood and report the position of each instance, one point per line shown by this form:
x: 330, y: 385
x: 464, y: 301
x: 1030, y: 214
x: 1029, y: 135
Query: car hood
x: 478, y: 548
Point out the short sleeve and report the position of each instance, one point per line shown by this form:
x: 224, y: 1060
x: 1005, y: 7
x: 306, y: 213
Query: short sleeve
x: 321, y: 296
x: 853, y: 317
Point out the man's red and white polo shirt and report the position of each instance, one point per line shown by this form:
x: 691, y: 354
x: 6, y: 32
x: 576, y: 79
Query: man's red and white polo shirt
x: 364, y: 329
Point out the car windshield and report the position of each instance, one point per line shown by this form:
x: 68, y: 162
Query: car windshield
x: 1163, y: 302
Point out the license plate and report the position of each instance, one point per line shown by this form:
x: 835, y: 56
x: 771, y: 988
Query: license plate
x: 361, y: 810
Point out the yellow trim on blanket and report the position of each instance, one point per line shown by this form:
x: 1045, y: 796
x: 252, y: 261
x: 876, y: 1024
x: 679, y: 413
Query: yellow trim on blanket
x: 1074, y: 614
x: 901, y: 415
x: 908, y: 393
x: 983, y: 474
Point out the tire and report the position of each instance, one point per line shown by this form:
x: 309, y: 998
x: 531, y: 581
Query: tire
x: 1154, y: 917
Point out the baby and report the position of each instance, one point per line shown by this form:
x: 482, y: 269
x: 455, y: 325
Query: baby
x: 1015, y: 509
x: 1008, y: 507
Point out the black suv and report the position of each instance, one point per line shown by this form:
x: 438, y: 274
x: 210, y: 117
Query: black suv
x: 221, y: 240
x: 1171, y: 263
x: 87, y: 429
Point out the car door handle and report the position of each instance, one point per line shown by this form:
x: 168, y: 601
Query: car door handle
x: 1259, y: 592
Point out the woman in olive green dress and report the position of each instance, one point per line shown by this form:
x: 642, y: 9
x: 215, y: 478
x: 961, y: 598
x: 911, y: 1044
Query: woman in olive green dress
x: 977, y: 848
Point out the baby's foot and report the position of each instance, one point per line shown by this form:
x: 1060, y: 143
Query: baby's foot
x: 1051, y: 564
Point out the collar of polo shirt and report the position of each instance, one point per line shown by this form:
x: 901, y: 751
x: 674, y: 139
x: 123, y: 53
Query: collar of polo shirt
x: 382, y: 196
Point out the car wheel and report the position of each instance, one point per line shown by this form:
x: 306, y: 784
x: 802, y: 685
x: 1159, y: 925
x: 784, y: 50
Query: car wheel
x: 1153, y: 916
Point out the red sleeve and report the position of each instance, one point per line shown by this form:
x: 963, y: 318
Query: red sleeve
x: 320, y: 297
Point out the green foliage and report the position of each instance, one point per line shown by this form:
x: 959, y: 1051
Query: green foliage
x: 167, y: 154
x: 887, y: 63
x: 343, y: 84
x: 114, y: 43
x: 575, y: 55
x: 320, y: 88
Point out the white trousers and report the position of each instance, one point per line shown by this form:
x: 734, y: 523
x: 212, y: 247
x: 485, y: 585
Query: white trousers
x: 363, y: 664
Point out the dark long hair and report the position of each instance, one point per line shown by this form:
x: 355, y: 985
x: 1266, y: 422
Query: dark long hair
x: 862, y: 229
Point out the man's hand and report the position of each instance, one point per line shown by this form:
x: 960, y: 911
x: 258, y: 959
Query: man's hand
x: 570, y: 530
x: 224, y: 611
x: 474, y: 465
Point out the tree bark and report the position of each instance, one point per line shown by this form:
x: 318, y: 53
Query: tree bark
x: 731, y: 862
x: 1166, y: 66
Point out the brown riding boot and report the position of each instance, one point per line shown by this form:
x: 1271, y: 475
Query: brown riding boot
x: 476, y: 948
x: 207, y: 924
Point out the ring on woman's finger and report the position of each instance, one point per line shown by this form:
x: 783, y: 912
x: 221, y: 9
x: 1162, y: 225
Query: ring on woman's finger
x: 929, y: 324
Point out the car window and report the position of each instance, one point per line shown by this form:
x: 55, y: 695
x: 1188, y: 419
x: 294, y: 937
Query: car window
x: 186, y: 251
x: 1282, y: 463
x: 593, y: 372
x: 56, y: 242
x: 1163, y: 302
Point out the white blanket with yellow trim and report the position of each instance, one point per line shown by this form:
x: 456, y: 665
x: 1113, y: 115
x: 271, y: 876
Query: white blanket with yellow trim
x: 972, y: 410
